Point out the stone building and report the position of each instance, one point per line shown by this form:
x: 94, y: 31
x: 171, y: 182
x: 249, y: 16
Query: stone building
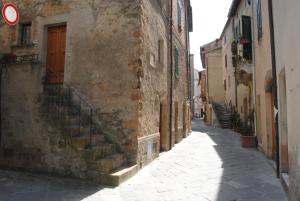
x: 211, y: 56
x: 229, y: 70
x: 264, y: 86
x: 86, y: 85
x: 196, y: 98
x: 203, y: 89
x: 286, y: 60
x: 240, y: 14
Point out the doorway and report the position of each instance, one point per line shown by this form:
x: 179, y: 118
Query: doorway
x: 283, y: 122
x: 56, y: 52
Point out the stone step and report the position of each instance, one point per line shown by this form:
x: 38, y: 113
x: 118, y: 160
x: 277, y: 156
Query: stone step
x: 98, y: 140
x: 110, y: 163
x: 84, y: 142
x: 120, y: 175
x: 99, y: 152
x: 76, y: 131
x: 80, y: 143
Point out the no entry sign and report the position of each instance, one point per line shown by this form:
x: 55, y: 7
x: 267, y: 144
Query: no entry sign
x: 10, y: 14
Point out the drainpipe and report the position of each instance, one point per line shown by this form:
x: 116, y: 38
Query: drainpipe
x: 171, y: 72
x: 274, y: 72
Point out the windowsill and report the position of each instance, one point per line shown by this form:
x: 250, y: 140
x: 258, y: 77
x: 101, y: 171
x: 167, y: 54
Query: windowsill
x: 23, y: 46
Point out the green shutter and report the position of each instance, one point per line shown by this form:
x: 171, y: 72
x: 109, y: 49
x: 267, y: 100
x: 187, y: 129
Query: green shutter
x: 176, y: 62
x: 179, y: 15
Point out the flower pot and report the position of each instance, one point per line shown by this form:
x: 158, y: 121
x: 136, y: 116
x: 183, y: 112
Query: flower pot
x: 248, y: 141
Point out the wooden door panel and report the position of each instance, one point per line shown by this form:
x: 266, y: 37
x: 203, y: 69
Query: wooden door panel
x: 56, y: 54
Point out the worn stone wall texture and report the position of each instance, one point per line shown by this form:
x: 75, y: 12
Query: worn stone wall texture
x: 32, y: 143
x: 117, y: 58
x: 102, y: 57
x: 287, y: 48
x: 152, y: 77
x: 180, y: 83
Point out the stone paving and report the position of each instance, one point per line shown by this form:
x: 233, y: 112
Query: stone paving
x: 209, y: 165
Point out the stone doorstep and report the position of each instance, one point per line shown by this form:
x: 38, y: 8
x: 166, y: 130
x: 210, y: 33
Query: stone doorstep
x: 285, y: 180
x: 119, y: 176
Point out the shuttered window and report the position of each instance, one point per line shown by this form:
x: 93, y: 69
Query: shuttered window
x: 176, y: 62
x: 179, y: 8
x: 25, y: 34
x: 259, y: 19
x: 247, y: 37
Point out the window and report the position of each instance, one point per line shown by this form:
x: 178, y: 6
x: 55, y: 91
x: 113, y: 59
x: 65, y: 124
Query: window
x: 247, y: 37
x: 179, y: 8
x: 259, y: 19
x: 225, y: 87
x: 25, y: 34
x: 229, y: 81
x: 176, y: 62
x: 161, y: 50
x: 225, y: 61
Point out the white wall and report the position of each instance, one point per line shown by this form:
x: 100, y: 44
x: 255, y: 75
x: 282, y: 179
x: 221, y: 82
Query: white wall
x: 287, y: 43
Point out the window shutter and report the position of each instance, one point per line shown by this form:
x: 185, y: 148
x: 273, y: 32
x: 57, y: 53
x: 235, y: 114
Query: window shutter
x: 259, y: 18
x: 247, y: 36
x: 176, y: 62
x: 179, y: 7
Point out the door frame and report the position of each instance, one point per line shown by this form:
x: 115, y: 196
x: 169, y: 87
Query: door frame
x: 46, y: 47
x: 44, y: 24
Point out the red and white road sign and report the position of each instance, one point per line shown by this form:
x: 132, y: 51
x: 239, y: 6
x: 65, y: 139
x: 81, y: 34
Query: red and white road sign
x: 10, y: 14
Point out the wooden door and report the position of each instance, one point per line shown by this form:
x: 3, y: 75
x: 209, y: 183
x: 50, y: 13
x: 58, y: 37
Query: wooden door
x: 56, y: 53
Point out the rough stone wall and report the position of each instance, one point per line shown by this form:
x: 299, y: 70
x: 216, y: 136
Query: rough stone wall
x: 28, y: 140
x: 180, y: 83
x: 102, y: 56
x: 153, y: 77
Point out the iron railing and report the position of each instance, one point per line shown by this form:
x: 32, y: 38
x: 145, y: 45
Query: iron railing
x: 72, y: 112
x: 13, y: 59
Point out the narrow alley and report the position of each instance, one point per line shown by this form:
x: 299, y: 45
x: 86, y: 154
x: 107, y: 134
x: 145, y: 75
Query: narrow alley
x: 209, y: 165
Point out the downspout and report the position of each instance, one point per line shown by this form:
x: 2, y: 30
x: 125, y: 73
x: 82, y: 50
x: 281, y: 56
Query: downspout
x: 274, y: 72
x: 171, y: 73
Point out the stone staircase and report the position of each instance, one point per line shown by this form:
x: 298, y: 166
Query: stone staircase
x: 223, y: 115
x: 75, y: 118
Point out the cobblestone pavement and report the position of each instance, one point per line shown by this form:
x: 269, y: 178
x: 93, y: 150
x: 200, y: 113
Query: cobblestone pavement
x: 209, y: 165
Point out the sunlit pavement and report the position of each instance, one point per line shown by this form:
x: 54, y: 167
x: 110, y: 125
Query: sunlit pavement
x: 209, y: 165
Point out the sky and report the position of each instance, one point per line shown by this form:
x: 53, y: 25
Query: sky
x: 209, y: 17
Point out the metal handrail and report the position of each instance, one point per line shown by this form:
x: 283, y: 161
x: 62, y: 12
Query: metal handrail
x: 62, y: 96
x: 14, y: 59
